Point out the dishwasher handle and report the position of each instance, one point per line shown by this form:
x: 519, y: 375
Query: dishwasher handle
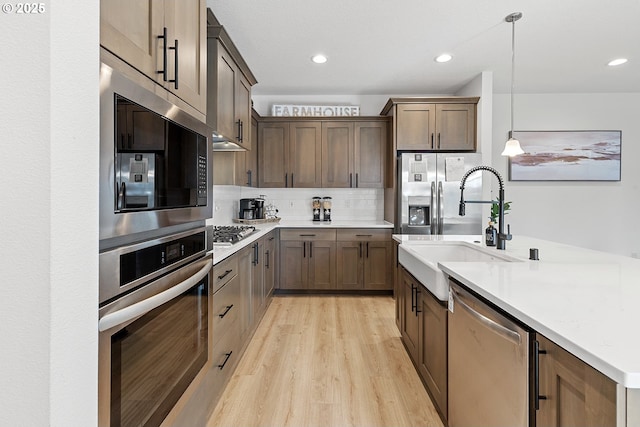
x: 503, y: 331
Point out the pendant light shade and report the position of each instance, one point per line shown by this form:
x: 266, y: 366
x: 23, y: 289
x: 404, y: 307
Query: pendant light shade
x: 512, y: 146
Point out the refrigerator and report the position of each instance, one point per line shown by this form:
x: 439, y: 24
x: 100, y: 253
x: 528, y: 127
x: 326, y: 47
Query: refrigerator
x: 429, y: 194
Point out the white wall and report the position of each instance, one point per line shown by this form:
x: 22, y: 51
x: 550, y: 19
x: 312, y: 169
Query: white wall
x: 596, y: 215
x: 49, y: 228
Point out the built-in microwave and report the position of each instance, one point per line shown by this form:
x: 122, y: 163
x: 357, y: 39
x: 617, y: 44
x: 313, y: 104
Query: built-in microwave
x: 155, y: 172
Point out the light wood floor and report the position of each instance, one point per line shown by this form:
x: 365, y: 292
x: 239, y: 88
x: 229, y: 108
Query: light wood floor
x: 326, y: 361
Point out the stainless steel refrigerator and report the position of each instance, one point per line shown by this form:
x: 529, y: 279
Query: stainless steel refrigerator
x: 429, y: 194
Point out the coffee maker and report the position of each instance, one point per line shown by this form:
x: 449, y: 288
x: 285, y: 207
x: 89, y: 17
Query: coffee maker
x: 247, y: 209
x: 258, y: 204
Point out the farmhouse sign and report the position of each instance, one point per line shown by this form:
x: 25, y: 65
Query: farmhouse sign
x: 283, y: 110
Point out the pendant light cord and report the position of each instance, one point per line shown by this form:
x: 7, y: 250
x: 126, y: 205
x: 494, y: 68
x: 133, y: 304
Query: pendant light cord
x: 513, y: 66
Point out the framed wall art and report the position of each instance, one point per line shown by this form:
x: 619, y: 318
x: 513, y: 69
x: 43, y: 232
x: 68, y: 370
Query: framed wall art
x: 567, y: 156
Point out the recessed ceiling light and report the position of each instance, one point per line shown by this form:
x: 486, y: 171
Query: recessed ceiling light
x: 618, y: 61
x: 319, y: 59
x: 445, y: 57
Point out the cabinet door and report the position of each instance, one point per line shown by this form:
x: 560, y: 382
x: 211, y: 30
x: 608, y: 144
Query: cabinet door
x: 294, y: 265
x: 246, y: 162
x: 321, y: 256
x: 257, y: 281
x: 377, y: 265
x: 349, y: 264
x: 456, y: 126
x: 305, y: 155
x: 243, y: 110
x: 270, y: 262
x: 245, y: 257
x: 186, y: 21
x: 576, y: 394
x: 411, y: 324
x: 433, y: 349
x: 370, y: 148
x: 398, y: 293
x: 130, y: 30
x: 337, y: 155
x: 273, y: 154
x: 225, y: 95
x: 415, y: 126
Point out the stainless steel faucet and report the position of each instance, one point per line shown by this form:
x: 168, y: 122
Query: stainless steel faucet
x: 502, y: 236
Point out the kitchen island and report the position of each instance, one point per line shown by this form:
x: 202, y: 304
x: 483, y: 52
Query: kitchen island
x: 583, y: 300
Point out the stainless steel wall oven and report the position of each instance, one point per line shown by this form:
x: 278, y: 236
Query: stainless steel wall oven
x: 154, y: 162
x: 154, y: 316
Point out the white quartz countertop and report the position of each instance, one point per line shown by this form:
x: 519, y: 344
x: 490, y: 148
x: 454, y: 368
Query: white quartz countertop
x: 222, y: 252
x: 585, y: 301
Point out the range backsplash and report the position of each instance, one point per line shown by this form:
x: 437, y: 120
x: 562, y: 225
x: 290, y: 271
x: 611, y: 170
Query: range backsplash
x: 295, y: 203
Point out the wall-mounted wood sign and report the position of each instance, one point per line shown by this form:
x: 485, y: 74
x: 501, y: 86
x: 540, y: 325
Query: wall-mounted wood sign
x: 282, y: 110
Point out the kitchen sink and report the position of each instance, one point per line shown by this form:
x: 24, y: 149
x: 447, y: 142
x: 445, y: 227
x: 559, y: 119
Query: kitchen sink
x: 421, y: 260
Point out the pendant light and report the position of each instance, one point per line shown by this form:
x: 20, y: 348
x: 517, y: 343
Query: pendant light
x: 512, y: 146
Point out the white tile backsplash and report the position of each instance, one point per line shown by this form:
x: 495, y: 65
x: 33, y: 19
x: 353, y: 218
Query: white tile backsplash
x: 295, y: 203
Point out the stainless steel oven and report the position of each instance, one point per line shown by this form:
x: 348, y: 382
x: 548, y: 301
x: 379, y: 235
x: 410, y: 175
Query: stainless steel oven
x: 155, y: 169
x: 154, y: 316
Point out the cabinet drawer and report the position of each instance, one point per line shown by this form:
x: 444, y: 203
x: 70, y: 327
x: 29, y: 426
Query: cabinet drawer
x: 307, y: 234
x: 363, y: 234
x: 224, y: 271
x: 226, y: 308
x: 225, y: 356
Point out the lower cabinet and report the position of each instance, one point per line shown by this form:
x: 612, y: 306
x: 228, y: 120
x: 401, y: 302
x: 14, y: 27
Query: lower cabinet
x: 424, y: 334
x: 270, y: 264
x: 571, y: 393
x: 364, y: 259
x: 307, y: 259
x: 432, y: 353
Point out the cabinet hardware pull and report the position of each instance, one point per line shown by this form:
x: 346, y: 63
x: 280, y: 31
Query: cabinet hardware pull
x: 175, y: 65
x: 417, y: 310
x: 291, y: 180
x: 229, y: 307
x: 307, y: 235
x: 226, y: 359
x: 356, y: 180
x: 286, y: 181
x: 241, y: 131
x: 249, y: 177
x: 256, y: 261
x: 164, y: 55
x: 364, y: 235
x: 226, y: 273
x: 432, y: 146
x: 412, y: 297
x: 310, y: 249
x: 239, y: 137
x: 367, y: 249
x: 271, y: 238
x: 350, y: 180
x: 536, y: 373
x: 438, y: 140
x: 266, y: 261
x: 359, y: 249
x: 304, y: 249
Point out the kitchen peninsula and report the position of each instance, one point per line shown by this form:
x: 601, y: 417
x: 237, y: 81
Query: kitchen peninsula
x: 584, y: 301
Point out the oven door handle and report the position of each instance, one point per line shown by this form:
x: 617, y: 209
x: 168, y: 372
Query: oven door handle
x: 138, y: 309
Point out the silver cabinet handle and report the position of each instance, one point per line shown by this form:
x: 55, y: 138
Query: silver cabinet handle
x: 141, y: 308
x: 503, y: 331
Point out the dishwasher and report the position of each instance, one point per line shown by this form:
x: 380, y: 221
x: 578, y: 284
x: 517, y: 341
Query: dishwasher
x: 488, y: 364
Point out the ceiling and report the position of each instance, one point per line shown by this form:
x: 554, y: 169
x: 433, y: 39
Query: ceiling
x: 388, y: 47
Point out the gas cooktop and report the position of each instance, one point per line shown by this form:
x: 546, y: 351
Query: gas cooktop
x: 227, y: 235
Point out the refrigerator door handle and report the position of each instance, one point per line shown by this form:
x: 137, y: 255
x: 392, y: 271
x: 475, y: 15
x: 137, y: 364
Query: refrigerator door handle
x: 433, y: 209
x: 440, y: 208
